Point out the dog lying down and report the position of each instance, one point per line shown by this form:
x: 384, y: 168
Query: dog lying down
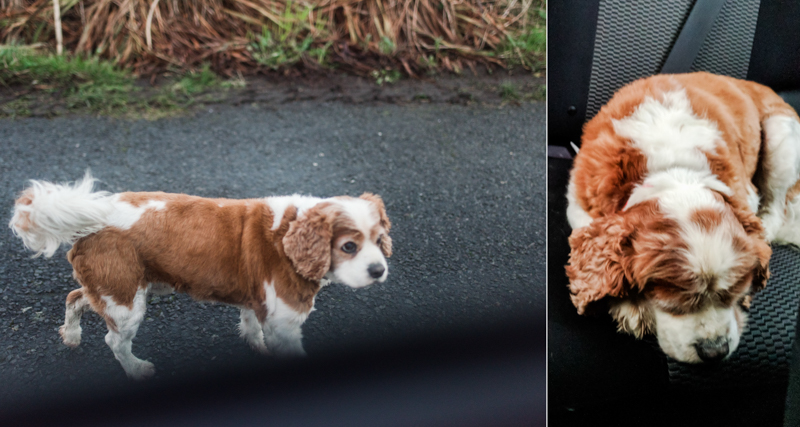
x: 269, y: 257
x: 681, y: 183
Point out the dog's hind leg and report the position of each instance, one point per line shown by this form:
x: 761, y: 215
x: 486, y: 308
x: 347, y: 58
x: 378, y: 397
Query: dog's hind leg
x: 781, y: 170
x: 123, y: 323
x: 250, y: 330
x: 790, y: 230
x: 70, y: 331
x: 113, y: 280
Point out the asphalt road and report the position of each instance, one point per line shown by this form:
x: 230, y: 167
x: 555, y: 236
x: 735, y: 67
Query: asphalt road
x: 464, y: 188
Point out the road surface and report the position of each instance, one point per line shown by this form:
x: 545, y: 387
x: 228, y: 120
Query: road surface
x: 464, y: 187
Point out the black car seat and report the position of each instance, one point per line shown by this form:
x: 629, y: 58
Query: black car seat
x: 594, y: 48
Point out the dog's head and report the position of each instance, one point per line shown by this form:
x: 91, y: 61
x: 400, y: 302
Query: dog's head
x: 680, y: 275
x: 345, y: 239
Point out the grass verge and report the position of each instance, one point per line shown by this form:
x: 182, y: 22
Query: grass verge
x: 361, y: 36
x: 93, y: 85
x: 36, y: 83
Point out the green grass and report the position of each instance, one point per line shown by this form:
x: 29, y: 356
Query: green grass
x: 89, y: 84
x: 196, y: 82
x: 508, y: 92
x: 384, y: 76
x: 84, y: 83
x: 528, y: 47
x: 290, y: 39
x: 26, y: 65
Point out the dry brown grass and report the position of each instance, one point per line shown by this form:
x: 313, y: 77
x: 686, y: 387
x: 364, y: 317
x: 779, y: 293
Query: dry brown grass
x: 247, y: 35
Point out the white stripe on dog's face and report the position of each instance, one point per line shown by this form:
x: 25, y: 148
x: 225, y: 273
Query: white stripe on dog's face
x: 356, y: 258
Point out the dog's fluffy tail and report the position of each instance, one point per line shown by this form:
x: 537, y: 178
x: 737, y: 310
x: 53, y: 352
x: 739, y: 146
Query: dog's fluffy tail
x: 47, y: 215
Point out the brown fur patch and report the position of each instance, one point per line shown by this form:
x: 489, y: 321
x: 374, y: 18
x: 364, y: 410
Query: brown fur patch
x: 378, y: 202
x: 707, y: 218
x: 25, y: 199
x: 385, y: 224
x: 24, y: 220
x: 74, y: 296
x: 617, y: 255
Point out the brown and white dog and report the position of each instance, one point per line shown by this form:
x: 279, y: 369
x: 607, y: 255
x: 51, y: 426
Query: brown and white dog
x: 268, y: 257
x: 681, y: 183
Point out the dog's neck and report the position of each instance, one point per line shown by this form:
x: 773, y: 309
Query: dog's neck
x: 678, y: 186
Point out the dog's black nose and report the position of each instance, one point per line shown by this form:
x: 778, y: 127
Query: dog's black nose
x: 376, y: 270
x: 712, y: 350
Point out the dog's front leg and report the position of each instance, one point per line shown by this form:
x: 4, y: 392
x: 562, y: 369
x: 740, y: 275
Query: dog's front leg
x: 251, y: 330
x: 284, y: 335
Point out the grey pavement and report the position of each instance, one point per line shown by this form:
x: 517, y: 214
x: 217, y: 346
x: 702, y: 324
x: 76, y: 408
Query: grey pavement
x: 464, y: 188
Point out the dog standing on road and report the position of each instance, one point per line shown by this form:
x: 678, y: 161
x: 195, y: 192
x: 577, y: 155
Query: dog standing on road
x: 269, y: 257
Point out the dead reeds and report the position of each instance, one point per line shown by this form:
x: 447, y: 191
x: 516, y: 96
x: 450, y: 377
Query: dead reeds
x: 246, y: 35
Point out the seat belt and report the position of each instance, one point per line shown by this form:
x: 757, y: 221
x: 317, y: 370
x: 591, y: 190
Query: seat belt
x: 698, y: 25
x: 683, y: 53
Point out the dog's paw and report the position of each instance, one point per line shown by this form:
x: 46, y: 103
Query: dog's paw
x: 289, y: 353
x: 141, y: 371
x: 261, y: 349
x: 70, y: 337
x: 772, y: 224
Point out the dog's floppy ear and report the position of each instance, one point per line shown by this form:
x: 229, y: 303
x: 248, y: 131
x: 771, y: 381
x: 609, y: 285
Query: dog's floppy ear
x: 596, y: 266
x: 386, y: 246
x: 308, y: 242
x: 386, y: 241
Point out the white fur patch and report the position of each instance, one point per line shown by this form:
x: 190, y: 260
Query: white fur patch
x: 576, y: 216
x: 782, y: 135
x: 361, y: 212
x: 677, y: 335
x: 71, y: 330
x: 282, y: 331
x: 682, y: 188
x: 278, y: 206
x: 251, y: 330
x: 753, y: 199
x: 127, y: 322
x: 125, y: 215
x: 59, y: 214
x: 790, y: 231
x: 711, y: 254
x: 669, y: 134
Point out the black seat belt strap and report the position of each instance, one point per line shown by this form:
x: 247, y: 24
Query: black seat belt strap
x: 698, y: 25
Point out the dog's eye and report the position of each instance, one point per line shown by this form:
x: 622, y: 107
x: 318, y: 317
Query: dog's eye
x: 380, y: 238
x: 349, y: 247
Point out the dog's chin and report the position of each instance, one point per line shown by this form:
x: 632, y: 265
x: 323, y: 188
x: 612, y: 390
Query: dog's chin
x: 355, y: 282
